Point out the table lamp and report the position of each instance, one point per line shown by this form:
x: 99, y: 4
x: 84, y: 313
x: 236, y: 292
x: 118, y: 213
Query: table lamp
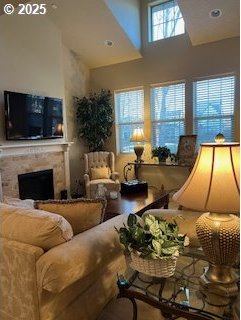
x: 213, y: 185
x: 138, y: 136
x: 59, y: 129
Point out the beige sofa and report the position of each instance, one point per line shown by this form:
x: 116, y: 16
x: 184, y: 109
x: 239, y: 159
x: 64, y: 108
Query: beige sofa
x: 71, y: 280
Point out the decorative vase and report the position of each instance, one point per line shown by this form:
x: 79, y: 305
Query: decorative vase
x: 162, y: 268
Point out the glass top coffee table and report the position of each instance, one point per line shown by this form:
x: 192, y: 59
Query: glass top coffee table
x: 179, y: 296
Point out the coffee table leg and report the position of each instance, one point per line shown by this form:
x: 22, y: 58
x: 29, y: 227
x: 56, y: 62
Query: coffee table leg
x: 133, y: 301
x: 134, y: 308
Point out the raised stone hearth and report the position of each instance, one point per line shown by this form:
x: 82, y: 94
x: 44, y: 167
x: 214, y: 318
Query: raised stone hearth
x: 31, y: 159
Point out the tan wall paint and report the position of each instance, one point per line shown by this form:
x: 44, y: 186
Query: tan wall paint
x: 166, y: 61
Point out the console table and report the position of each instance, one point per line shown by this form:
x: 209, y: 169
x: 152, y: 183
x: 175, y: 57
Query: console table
x: 138, y: 165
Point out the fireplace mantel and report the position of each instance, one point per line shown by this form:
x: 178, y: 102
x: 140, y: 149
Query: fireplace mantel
x: 7, y: 150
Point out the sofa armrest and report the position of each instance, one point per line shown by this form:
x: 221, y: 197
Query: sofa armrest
x: 18, y: 289
x: 185, y: 219
x: 68, y: 262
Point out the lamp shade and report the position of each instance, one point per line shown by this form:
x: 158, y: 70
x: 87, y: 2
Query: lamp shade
x: 138, y: 135
x: 213, y: 184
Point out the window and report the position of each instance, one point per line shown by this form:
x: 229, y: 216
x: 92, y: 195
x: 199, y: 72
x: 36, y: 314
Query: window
x: 168, y: 113
x: 166, y: 20
x: 129, y: 115
x: 214, y: 108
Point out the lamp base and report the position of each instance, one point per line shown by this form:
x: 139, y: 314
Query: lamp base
x: 219, y: 237
x: 138, y: 151
x: 219, y: 280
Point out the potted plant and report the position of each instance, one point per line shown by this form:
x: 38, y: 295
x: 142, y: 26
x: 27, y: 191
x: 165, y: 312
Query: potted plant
x: 161, y: 152
x: 95, y: 119
x: 153, y: 244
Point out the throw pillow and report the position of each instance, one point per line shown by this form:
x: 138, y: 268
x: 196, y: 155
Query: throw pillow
x: 27, y: 203
x: 100, y: 173
x: 35, y: 227
x: 82, y: 214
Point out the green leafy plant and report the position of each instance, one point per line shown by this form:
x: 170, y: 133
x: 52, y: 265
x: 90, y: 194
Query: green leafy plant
x: 161, y: 152
x: 152, y: 237
x: 95, y: 119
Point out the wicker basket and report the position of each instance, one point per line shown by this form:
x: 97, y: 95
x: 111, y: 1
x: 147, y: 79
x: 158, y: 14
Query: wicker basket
x: 162, y: 268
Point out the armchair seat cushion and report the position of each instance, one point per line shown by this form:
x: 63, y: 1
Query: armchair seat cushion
x: 104, y: 181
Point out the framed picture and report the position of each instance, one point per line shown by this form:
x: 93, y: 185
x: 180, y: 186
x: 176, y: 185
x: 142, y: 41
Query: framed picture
x: 186, y: 149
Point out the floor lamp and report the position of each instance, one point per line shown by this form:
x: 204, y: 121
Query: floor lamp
x: 213, y: 186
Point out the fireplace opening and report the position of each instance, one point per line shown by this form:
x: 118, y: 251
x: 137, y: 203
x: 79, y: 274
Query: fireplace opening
x: 37, y: 185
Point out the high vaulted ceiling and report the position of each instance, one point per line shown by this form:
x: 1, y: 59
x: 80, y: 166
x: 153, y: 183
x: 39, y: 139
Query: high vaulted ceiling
x: 203, y: 29
x: 87, y: 24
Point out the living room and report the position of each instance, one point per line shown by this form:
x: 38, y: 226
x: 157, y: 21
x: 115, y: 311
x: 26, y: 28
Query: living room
x: 79, y: 47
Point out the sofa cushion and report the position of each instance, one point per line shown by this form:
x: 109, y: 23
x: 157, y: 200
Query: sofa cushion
x: 35, y: 227
x: 82, y: 214
x: 100, y: 173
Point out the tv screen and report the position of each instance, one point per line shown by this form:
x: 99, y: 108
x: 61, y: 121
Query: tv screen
x: 30, y: 117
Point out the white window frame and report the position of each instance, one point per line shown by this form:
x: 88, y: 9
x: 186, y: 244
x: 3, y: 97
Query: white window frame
x: 150, y: 31
x: 166, y: 84
x: 118, y: 124
x: 231, y: 116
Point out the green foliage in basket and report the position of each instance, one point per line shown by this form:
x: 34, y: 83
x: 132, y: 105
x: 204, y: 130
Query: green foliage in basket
x: 152, y: 237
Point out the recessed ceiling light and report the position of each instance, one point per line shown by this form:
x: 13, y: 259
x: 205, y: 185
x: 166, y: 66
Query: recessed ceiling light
x: 109, y: 43
x: 54, y: 6
x: 215, y: 13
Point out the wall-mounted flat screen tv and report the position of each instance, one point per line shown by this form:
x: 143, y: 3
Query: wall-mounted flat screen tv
x: 30, y: 117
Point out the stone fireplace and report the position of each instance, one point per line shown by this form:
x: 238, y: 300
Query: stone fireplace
x: 16, y: 160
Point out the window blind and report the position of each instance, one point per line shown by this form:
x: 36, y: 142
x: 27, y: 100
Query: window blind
x: 214, y: 108
x: 168, y: 114
x: 166, y: 20
x: 129, y: 115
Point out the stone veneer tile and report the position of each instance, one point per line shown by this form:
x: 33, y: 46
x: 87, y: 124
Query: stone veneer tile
x: 12, y: 166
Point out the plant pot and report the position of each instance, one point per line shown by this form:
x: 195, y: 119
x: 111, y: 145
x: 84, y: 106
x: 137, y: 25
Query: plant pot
x: 162, y: 268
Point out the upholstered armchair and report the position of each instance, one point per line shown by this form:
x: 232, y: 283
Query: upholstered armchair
x: 100, y: 169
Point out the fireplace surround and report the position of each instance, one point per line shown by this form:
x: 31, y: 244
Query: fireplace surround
x: 21, y: 159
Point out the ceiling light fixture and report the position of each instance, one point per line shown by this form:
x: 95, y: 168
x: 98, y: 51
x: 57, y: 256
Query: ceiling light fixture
x: 109, y: 43
x: 215, y: 13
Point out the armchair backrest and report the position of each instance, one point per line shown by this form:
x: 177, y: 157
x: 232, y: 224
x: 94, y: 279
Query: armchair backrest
x: 99, y: 160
